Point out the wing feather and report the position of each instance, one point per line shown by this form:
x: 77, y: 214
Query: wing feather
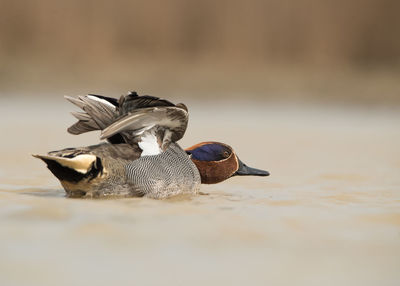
x: 173, y: 118
x: 130, y: 119
x: 98, y: 113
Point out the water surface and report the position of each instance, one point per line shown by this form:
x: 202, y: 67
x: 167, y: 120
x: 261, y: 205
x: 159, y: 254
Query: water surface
x: 329, y: 214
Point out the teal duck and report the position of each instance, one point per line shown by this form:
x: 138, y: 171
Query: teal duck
x: 141, y: 156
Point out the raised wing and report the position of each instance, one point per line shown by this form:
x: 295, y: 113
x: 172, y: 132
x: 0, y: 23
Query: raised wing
x: 98, y: 113
x: 133, y: 101
x: 149, y: 122
x: 166, y: 122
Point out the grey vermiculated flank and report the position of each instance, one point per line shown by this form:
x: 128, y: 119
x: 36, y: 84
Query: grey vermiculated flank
x: 160, y: 176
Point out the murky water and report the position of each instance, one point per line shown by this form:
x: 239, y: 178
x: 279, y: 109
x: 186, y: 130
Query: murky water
x: 329, y: 214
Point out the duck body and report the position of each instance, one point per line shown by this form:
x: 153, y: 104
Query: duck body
x: 118, y: 170
x: 142, y: 157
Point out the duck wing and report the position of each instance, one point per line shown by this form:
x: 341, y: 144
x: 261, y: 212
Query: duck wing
x: 148, y: 121
x: 98, y: 113
x: 132, y: 101
x: 168, y: 123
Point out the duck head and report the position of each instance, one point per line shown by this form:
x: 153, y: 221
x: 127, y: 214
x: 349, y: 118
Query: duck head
x: 217, y: 162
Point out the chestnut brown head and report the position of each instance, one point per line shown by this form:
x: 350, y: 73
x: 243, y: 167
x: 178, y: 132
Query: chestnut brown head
x: 217, y: 162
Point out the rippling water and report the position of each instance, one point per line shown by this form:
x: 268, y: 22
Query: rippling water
x: 329, y: 214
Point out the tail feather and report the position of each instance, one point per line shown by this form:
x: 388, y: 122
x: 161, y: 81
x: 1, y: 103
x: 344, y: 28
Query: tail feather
x: 81, y: 163
x: 74, y: 170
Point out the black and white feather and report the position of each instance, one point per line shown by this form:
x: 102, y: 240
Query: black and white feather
x: 149, y: 122
x: 167, y: 174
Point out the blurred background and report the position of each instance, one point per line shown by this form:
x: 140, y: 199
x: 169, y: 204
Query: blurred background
x: 306, y: 89
x: 328, y: 51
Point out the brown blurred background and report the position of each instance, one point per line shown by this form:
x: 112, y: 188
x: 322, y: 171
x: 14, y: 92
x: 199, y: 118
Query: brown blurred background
x: 324, y: 50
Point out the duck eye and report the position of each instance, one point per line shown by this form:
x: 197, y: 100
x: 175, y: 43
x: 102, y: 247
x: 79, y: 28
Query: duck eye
x: 225, y: 154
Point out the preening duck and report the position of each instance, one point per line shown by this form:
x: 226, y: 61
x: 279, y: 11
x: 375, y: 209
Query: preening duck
x: 141, y: 156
